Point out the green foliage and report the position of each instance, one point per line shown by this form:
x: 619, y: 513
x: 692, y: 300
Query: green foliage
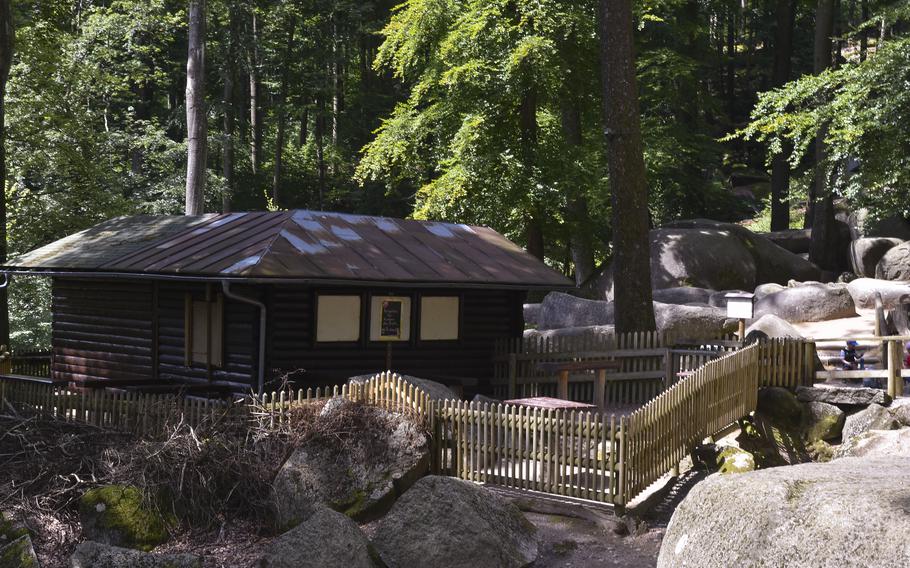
x: 866, y: 107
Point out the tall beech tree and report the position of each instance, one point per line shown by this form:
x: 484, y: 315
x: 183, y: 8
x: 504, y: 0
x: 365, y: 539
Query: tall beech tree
x: 622, y: 129
x: 785, y: 14
x: 196, y: 127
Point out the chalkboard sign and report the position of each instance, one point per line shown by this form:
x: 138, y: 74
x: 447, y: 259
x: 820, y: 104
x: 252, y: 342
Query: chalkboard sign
x: 390, y: 319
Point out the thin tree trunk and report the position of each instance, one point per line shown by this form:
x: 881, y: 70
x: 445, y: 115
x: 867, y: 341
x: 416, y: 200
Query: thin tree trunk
x: 255, y: 102
x: 304, y: 125
x: 731, y: 59
x: 337, y: 81
x: 622, y: 121
x: 282, y: 113
x: 780, y: 170
x: 823, y: 230
x: 229, y: 101
x: 581, y: 244
x: 527, y: 119
x: 864, y: 35
x: 7, y: 42
x: 319, y: 134
x: 195, y: 110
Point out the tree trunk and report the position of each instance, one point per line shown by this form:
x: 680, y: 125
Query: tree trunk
x: 581, y: 244
x: 229, y: 100
x: 780, y: 169
x: 319, y: 135
x: 304, y: 124
x: 864, y: 35
x: 731, y: 60
x: 7, y: 35
x: 282, y: 113
x: 527, y: 125
x: 337, y: 81
x: 622, y: 121
x: 823, y: 230
x: 195, y: 110
x: 255, y: 102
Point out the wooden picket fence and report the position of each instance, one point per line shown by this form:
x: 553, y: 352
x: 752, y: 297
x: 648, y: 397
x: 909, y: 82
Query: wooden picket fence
x: 588, y: 455
x: 650, y: 363
x: 144, y: 413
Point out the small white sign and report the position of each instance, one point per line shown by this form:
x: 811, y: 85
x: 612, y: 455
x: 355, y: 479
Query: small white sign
x: 739, y: 306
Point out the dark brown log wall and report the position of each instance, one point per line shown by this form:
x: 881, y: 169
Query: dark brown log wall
x: 487, y: 315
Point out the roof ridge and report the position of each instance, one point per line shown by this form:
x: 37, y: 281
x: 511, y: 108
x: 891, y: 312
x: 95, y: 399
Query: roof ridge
x: 271, y: 240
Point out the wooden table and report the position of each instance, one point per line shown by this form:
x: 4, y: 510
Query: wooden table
x: 550, y: 402
x: 564, y: 368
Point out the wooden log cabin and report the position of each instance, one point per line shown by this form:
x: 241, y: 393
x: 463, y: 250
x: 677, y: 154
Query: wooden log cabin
x: 230, y: 303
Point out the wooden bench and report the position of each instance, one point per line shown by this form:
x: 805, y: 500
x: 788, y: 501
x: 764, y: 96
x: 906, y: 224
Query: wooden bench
x: 564, y: 368
x: 547, y: 402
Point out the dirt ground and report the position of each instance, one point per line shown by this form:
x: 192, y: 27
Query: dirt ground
x: 576, y: 543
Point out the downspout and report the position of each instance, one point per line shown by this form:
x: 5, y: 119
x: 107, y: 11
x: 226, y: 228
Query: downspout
x: 226, y: 286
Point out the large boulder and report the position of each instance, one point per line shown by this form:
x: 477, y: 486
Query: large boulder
x: 873, y: 417
x: 368, y: 457
x: 843, y: 396
x: 713, y: 255
x: 824, y: 421
x: 589, y: 333
x: 808, y: 302
x: 865, y: 253
x: 695, y: 322
x: 861, y: 225
x: 119, y: 515
x: 794, y: 240
x: 97, y: 555
x: 864, y: 290
x: 683, y: 295
x: 531, y: 314
x: 435, y: 390
x: 780, y: 406
x: 771, y: 326
x: 325, y: 539
x: 895, y: 264
x: 840, y: 513
x: 18, y: 554
x: 876, y: 443
x: 559, y: 310
x: 443, y: 521
x: 763, y: 290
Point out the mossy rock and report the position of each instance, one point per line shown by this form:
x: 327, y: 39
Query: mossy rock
x: 825, y: 422
x: 781, y: 407
x: 119, y: 515
x: 10, y: 530
x: 735, y: 460
x: 821, y: 451
x: 18, y: 554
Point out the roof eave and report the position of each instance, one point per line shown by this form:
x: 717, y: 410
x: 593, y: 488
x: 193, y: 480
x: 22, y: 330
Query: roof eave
x: 55, y: 272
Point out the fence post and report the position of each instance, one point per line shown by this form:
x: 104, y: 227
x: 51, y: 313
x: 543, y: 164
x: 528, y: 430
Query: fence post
x: 895, y: 381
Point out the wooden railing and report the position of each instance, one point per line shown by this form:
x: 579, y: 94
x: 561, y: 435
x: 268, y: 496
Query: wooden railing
x: 26, y: 363
x: 651, y: 362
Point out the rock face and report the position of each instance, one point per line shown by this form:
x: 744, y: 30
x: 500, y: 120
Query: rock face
x: 360, y: 476
x: 865, y: 253
x: 116, y: 515
x: 876, y: 443
x: 448, y: 522
x: 825, y: 421
x: 763, y: 290
x: 895, y: 264
x: 683, y: 295
x: 18, y: 554
x: 843, y: 396
x: 436, y: 391
x: 589, y: 333
x: 873, y: 417
x: 861, y: 225
x: 863, y: 291
x: 808, y: 302
x: 96, y: 555
x: 559, y: 310
x: 840, y: 513
x: 735, y: 460
x: 326, y: 539
x: 714, y: 255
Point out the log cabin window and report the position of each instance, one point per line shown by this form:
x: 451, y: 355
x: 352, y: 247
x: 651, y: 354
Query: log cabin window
x: 439, y: 318
x: 390, y: 318
x: 337, y: 318
x: 204, y: 331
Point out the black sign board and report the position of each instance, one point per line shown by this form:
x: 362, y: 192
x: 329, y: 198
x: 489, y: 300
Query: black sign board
x: 390, y: 319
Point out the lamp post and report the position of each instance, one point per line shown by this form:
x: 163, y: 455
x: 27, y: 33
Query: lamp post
x: 740, y: 305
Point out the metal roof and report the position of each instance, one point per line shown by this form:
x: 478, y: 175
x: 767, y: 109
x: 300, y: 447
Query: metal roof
x: 298, y: 245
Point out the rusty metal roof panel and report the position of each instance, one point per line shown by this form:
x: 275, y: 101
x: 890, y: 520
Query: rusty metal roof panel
x: 296, y: 245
